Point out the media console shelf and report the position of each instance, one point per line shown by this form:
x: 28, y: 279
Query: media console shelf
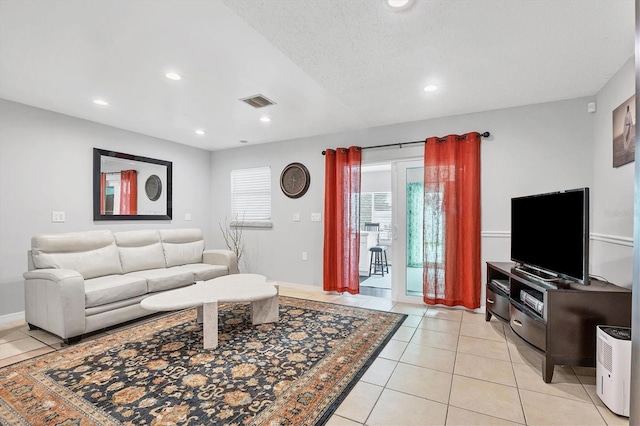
x: 563, y: 326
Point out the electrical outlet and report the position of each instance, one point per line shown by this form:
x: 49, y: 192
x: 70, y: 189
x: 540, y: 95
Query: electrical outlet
x: 316, y: 217
x: 57, y: 217
x: 304, y: 255
x: 187, y: 216
x: 296, y: 217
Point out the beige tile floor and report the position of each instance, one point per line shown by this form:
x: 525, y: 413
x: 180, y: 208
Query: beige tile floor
x: 442, y: 367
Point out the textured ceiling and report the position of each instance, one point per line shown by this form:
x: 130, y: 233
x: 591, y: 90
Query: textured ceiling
x: 330, y: 65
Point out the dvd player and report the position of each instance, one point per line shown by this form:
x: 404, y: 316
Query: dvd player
x: 501, y: 284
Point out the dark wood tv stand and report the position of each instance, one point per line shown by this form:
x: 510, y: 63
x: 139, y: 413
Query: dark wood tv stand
x: 565, y: 330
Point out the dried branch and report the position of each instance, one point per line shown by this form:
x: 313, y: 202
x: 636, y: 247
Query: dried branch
x: 232, y: 235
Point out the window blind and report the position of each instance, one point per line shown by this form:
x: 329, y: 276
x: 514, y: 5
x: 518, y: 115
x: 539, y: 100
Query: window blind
x: 251, y: 195
x: 376, y: 207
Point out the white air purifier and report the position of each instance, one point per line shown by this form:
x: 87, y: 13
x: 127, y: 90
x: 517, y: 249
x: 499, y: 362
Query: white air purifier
x: 613, y: 367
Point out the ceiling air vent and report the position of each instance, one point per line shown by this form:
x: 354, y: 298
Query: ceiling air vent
x: 258, y: 101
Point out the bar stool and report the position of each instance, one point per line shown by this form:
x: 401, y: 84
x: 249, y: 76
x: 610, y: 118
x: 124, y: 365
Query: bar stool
x: 378, y: 260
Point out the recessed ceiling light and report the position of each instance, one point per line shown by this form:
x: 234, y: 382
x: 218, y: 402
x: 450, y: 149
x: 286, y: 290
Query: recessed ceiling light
x: 431, y: 88
x: 398, y: 4
x: 173, y: 76
x: 265, y: 119
x: 201, y: 132
x: 243, y: 141
x: 100, y: 102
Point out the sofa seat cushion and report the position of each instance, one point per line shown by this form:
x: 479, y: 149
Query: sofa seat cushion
x: 204, y: 272
x: 95, y: 310
x: 113, y: 288
x: 162, y: 279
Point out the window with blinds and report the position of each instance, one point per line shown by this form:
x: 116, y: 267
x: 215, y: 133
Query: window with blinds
x: 251, y: 196
x: 376, y: 207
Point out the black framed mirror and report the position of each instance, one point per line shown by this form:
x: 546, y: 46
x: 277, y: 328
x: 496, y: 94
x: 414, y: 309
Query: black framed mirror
x: 130, y: 187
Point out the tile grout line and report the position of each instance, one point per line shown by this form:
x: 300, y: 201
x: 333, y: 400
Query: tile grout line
x: 515, y: 377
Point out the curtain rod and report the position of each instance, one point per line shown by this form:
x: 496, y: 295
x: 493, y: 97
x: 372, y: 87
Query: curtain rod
x: 401, y: 144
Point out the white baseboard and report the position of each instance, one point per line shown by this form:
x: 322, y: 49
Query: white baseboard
x: 16, y: 316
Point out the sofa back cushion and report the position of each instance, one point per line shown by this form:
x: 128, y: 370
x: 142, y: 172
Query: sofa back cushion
x: 139, y: 250
x: 182, y: 246
x: 92, y: 253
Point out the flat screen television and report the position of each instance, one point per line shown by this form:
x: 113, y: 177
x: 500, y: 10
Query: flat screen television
x: 550, y: 233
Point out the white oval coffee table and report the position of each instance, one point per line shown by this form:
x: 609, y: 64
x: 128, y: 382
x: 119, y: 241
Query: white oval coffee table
x: 205, y: 295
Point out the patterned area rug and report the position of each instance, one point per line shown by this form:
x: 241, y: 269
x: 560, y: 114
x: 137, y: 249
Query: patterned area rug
x: 294, y: 372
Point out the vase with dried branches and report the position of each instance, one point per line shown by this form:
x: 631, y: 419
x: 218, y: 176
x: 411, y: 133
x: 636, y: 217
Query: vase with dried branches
x: 232, y: 234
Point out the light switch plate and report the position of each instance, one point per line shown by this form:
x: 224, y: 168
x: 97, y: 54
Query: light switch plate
x: 57, y: 217
x: 316, y: 217
x: 187, y: 216
x: 296, y: 217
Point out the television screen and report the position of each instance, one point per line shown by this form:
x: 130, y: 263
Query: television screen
x: 551, y: 232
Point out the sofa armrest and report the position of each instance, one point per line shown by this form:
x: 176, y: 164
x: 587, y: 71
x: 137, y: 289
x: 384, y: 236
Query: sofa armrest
x: 221, y: 257
x: 55, y: 301
x: 55, y: 275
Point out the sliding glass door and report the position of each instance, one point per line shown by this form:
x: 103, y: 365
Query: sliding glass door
x: 409, y: 237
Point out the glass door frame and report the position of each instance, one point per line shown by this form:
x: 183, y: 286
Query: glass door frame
x: 399, y: 217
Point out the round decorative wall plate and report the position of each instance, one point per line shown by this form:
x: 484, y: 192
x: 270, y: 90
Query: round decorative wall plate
x: 153, y: 187
x: 295, y: 180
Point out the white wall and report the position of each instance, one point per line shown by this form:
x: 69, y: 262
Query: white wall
x: 376, y: 181
x: 276, y: 252
x: 532, y: 149
x: 612, y: 197
x: 46, y: 164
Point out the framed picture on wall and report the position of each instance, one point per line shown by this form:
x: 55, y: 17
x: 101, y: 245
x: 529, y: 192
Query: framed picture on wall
x: 624, y: 132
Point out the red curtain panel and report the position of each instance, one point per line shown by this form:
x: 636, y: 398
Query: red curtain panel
x: 341, y: 220
x: 128, y: 192
x: 452, y: 273
x: 103, y: 192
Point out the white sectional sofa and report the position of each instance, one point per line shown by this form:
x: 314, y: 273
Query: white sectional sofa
x: 85, y: 281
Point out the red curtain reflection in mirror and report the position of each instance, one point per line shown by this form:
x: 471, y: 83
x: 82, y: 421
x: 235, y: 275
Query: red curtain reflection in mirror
x: 128, y: 192
x: 103, y: 191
